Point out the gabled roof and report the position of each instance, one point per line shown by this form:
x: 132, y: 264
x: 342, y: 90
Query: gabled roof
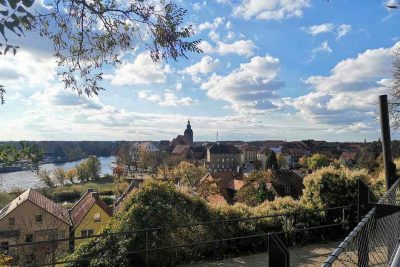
x: 288, y: 178
x: 82, y: 207
x: 225, y: 180
x: 224, y: 149
x: 41, y: 201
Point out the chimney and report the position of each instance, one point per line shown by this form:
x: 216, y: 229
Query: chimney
x: 90, y: 190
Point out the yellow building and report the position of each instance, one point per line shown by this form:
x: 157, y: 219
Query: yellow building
x: 32, y: 217
x: 89, y: 215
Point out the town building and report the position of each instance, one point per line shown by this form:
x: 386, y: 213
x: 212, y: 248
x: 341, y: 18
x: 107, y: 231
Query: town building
x: 220, y: 187
x: 223, y: 157
x: 89, y: 215
x: 146, y: 147
x: 185, y: 139
x: 249, y: 153
x: 32, y: 217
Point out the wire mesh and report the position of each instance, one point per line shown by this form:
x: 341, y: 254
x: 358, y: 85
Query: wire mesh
x: 375, y: 238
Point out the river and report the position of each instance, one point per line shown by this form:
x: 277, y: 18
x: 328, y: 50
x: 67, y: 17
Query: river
x: 29, y: 179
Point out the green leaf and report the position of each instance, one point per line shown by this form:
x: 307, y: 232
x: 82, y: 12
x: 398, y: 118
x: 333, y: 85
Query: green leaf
x: 21, y: 9
x: 13, y: 3
x: 28, y: 3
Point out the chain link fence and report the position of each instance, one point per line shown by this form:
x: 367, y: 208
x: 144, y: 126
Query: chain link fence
x: 375, y: 239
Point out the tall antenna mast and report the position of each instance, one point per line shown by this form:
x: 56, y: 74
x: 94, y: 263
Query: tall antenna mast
x: 217, y: 136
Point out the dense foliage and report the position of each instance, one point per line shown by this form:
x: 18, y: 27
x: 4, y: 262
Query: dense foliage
x: 161, y: 204
x: 318, y: 161
x: 334, y: 187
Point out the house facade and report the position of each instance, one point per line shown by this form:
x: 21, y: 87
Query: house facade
x: 89, y: 215
x: 32, y: 217
x: 249, y: 153
x: 223, y: 157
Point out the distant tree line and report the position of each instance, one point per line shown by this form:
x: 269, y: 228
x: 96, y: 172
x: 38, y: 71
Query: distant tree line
x: 70, y: 150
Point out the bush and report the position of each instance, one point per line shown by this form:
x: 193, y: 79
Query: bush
x: 108, y: 200
x: 334, y: 187
x: 66, y: 196
x: 160, y: 204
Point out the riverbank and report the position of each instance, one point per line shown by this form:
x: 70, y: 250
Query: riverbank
x: 22, y: 180
x: 68, y: 194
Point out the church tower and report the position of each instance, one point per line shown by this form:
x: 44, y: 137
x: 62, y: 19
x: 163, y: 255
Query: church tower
x: 189, y: 133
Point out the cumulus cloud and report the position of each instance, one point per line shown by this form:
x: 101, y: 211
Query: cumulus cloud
x: 167, y: 99
x: 206, y: 65
x: 142, y: 71
x: 210, y: 25
x: 349, y: 94
x: 249, y: 88
x: 270, y: 10
x: 239, y: 47
x: 319, y: 29
x: 28, y: 69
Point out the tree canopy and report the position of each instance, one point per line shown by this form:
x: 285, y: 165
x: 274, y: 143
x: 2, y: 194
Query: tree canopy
x: 88, y: 35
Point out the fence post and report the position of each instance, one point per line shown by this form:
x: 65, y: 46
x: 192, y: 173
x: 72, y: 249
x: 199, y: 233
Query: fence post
x: 390, y: 167
x: 278, y: 254
x: 147, y: 248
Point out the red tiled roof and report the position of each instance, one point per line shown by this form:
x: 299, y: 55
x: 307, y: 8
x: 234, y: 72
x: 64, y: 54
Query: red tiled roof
x: 38, y: 199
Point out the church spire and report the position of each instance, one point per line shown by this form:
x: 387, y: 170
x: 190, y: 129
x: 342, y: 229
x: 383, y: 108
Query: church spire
x: 189, y: 132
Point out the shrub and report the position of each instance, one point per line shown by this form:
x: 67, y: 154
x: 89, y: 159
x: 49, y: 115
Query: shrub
x: 108, y: 200
x: 66, y: 196
x: 160, y: 204
x: 334, y: 187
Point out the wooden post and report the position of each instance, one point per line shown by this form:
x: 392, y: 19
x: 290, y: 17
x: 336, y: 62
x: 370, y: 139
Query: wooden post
x: 390, y: 167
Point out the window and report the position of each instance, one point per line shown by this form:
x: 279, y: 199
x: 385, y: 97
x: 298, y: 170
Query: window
x: 97, y: 217
x: 39, y: 218
x: 11, y: 221
x: 29, y: 238
x: 86, y: 233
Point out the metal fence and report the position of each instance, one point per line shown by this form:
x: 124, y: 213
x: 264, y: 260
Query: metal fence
x: 375, y: 239
x: 292, y: 228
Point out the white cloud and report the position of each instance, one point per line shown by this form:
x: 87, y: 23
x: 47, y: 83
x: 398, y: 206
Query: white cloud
x: 271, y: 9
x: 250, y: 88
x: 167, y: 99
x: 199, y: 5
x: 319, y: 29
x: 28, y: 69
x: 210, y: 25
x: 206, y: 65
x: 239, y: 47
x: 323, y: 47
x: 349, y: 95
x: 142, y: 71
x: 343, y: 30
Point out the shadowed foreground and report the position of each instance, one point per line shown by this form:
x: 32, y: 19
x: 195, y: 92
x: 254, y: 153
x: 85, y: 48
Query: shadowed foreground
x: 312, y: 255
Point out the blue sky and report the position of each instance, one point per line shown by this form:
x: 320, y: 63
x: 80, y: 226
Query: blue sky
x: 273, y: 69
